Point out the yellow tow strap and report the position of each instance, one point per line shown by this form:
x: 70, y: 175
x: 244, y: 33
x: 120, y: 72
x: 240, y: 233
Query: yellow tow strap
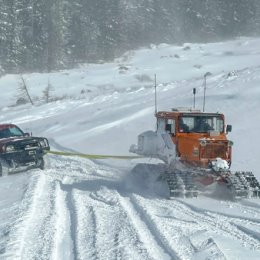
x: 94, y: 156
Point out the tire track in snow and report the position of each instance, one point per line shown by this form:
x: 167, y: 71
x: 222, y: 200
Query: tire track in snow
x: 96, y: 216
x: 71, y: 207
x: 131, y: 237
x: 82, y: 214
x: 24, y: 205
x: 35, y: 230
x: 182, y: 224
x: 6, y: 225
x: 43, y: 230
x: 146, y: 230
x: 249, y: 223
x: 251, y: 208
x: 228, y: 224
x: 245, y: 207
x: 181, y: 249
x: 84, y: 227
x: 222, y: 224
x: 219, y: 224
x: 93, y: 241
x: 63, y: 240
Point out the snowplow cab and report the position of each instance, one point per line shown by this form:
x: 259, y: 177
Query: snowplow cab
x: 199, y: 137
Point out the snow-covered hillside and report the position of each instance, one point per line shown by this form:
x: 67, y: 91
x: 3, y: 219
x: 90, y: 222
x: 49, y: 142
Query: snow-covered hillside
x: 83, y: 209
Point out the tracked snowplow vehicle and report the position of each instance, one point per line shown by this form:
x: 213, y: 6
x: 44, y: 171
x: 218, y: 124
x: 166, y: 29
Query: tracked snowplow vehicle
x: 196, y: 150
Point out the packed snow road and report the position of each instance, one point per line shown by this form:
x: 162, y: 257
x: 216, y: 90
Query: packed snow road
x: 81, y: 209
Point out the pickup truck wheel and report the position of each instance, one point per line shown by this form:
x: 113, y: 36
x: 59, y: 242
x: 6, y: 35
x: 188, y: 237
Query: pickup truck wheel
x: 3, y: 167
x: 43, y: 162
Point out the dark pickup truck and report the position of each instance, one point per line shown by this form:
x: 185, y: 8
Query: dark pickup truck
x: 20, y: 151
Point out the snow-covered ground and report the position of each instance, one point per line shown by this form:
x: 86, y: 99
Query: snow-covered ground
x: 102, y: 209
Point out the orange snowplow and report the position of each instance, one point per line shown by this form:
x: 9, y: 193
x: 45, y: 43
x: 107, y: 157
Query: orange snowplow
x: 198, y: 142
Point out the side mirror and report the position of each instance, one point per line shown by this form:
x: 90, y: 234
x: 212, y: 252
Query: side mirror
x: 26, y: 134
x: 229, y: 128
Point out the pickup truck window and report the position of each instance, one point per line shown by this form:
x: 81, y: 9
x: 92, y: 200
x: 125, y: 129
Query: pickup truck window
x: 10, y: 132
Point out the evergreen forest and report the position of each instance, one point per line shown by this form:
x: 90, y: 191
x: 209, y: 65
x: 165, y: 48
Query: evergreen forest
x: 48, y: 35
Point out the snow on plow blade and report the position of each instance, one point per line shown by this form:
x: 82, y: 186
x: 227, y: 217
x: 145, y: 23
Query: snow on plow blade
x: 155, y: 145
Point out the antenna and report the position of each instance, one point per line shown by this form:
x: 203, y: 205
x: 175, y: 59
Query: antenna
x: 194, y: 98
x: 155, y: 100
x: 155, y: 93
x: 205, y: 86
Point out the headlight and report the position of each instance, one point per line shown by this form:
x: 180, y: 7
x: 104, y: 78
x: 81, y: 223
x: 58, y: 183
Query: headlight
x: 203, y: 142
x: 9, y: 148
x: 195, y: 152
x: 43, y: 143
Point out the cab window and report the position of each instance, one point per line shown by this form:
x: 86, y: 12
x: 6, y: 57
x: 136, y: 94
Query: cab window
x: 201, y: 123
x: 170, y: 126
x: 161, y: 125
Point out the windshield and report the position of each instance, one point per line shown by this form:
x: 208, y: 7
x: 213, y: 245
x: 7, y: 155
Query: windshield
x: 10, y: 132
x: 201, y: 124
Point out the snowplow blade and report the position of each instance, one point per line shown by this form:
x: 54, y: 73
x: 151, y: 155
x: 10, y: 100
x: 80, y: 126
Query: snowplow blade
x: 154, y: 145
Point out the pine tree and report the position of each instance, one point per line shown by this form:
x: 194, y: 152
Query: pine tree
x: 9, y: 38
x: 163, y: 21
x: 82, y: 31
x: 108, y: 23
x: 54, y: 32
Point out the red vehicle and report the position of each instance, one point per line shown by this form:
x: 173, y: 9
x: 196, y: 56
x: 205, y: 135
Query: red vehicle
x: 20, y: 151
